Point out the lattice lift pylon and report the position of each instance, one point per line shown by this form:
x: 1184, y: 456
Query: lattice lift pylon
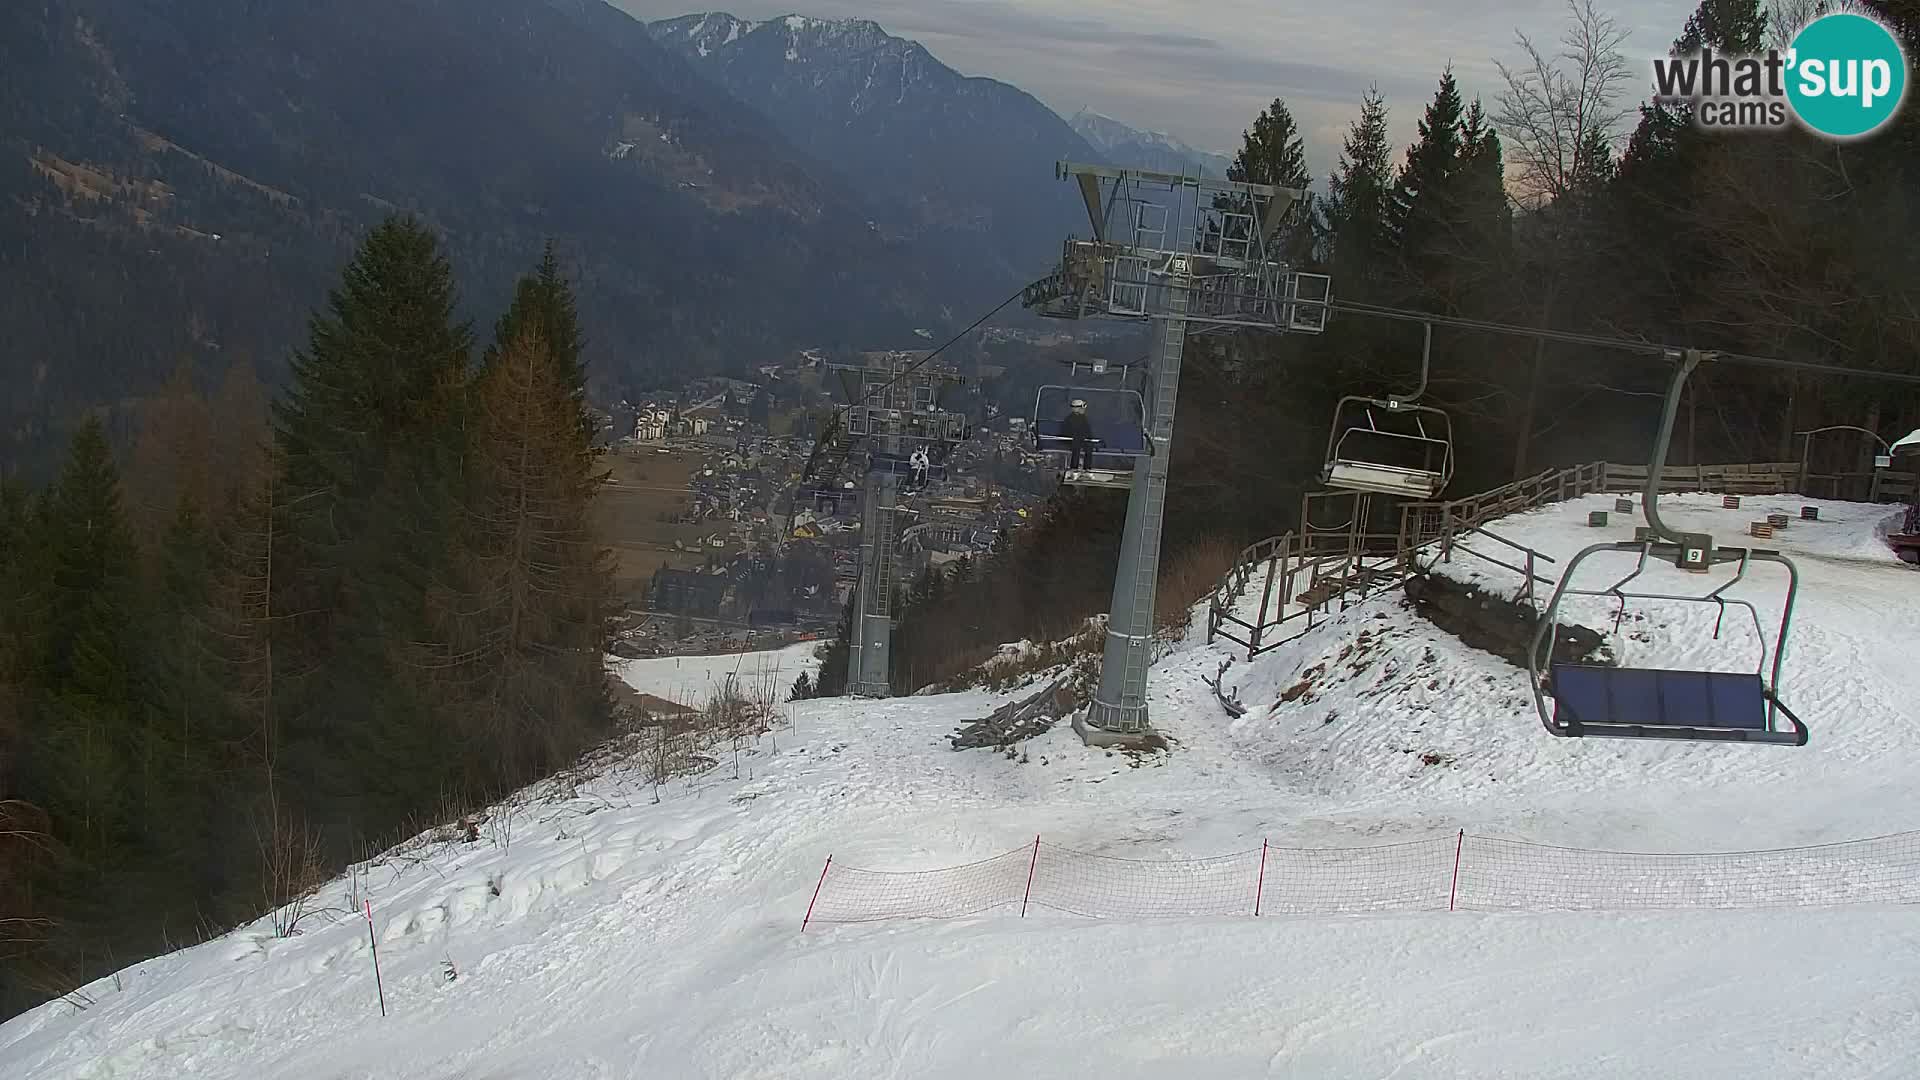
x: 896, y: 410
x: 1183, y: 252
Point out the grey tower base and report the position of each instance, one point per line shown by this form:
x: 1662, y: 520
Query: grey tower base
x: 1115, y: 740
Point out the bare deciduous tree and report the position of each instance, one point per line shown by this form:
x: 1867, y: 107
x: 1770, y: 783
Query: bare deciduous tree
x: 1559, y: 119
x: 1556, y: 110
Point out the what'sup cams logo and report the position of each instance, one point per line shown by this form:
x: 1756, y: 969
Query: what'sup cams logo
x: 1843, y: 76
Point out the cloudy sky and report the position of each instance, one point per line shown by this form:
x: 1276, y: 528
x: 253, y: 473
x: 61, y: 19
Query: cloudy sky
x: 1203, y: 70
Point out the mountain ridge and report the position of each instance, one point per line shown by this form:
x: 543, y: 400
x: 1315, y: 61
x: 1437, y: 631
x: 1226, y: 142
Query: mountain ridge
x: 183, y: 182
x: 967, y: 158
x: 1126, y: 145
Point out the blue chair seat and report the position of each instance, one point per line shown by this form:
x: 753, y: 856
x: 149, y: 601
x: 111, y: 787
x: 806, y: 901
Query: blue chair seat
x: 1649, y: 703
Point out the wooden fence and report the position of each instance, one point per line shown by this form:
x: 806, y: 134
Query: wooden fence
x: 1316, y: 569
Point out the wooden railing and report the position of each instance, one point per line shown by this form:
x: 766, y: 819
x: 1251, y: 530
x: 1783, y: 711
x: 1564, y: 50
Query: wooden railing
x: 1312, y: 570
x: 1878, y: 485
x: 1316, y: 569
x: 1422, y: 523
x: 1764, y: 478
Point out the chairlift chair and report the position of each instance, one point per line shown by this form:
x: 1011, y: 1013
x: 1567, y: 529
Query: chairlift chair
x: 1118, y: 434
x: 1391, y: 445
x: 902, y: 465
x: 1591, y: 700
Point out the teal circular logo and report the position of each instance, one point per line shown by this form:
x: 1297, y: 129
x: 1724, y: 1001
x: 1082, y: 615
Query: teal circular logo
x: 1847, y: 75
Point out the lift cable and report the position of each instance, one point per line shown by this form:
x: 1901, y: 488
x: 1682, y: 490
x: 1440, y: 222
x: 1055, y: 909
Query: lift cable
x: 917, y: 364
x: 1645, y: 348
x: 1430, y: 319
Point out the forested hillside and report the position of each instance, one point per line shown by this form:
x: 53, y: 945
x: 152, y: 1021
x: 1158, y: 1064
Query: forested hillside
x: 177, y: 182
x: 280, y: 638
x: 1566, y: 208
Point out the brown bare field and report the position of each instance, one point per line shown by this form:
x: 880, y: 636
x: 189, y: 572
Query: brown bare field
x: 643, y: 485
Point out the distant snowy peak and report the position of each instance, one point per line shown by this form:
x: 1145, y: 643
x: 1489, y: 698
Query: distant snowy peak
x: 801, y: 37
x: 1130, y: 146
x: 702, y: 33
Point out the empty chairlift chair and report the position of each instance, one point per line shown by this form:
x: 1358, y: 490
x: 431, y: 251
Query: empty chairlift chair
x: 1118, y: 435
x: 1389, y: 447
x: 1590, y: 700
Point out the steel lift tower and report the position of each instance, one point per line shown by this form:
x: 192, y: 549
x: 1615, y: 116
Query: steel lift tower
x: 896, y: 411
x: 1188, y: 255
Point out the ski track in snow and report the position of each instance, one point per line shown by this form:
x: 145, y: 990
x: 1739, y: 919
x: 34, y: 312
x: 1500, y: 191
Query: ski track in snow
x: 613, y: 937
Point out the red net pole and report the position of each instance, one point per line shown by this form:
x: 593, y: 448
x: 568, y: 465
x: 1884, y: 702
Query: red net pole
x: 1035, y: 861
x: 816, y: 894
x: 1260, y: 886
x: 1453, y: 890
x: 373, y: 943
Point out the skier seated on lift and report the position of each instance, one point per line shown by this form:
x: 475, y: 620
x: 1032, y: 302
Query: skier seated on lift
x: 920, y: 463
x: 1079, y: 429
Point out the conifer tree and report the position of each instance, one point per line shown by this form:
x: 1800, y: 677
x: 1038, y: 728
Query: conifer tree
x: 22, y: 604
x: 1273, y: 153
x: 1358, y: 193
x: 171, y: 464
x: 544, y: 303
x: 832, y: 680
x: 1425, y: 196
x: 80, y: 746
x: 1477, y: 241
x: 523, y: 624
x: 370, y: 439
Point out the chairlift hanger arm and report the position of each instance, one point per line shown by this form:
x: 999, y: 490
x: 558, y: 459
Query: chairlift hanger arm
x: 1888, y: 447
x: 1662, y: 441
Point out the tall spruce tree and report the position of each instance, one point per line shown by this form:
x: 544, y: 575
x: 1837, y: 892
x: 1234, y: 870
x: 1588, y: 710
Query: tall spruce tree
x: 83, y: 740
x: 1358, y: 195
x: 1424, y: 204
x: 1273, y: 153
x: 371, y: 438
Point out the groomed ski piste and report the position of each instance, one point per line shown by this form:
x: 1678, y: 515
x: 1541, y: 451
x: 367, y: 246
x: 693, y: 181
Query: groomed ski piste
x: 609, y: 936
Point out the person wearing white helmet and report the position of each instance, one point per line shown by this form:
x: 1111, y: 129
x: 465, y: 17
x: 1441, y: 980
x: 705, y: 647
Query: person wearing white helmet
x: 1080, y: 429
x: 921, y: 463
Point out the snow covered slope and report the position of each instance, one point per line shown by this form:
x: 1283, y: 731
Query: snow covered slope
x: 607, y: 936
x: 1384, y: 687
x: 690, y: 680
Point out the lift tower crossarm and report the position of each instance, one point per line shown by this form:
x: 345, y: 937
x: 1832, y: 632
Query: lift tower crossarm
x: 1271, y: 201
